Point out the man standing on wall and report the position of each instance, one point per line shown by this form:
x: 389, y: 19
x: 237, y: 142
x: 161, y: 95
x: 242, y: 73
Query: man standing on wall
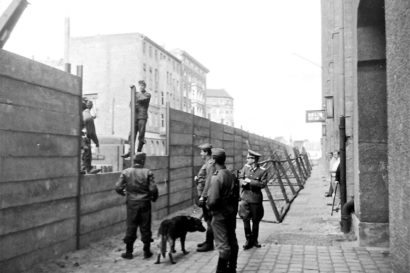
x: 142, y: 100
x: 89, y: 133
x: 203, y: 180
x: 223, y: 203
x: 253, y: 179
x: 138, y: 185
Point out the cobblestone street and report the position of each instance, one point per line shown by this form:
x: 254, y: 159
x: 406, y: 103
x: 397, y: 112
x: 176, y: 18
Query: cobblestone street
x: 309, y: 240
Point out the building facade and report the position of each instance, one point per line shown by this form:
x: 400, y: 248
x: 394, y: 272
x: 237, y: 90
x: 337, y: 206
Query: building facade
x: 219, y: 105
x: 111, y: 64
x: 365, y: 89
x: 193, y: 83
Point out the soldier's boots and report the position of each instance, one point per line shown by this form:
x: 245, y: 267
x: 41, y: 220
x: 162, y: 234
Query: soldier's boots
x: 222, y: 266
x: 201, y: 244
x: 147, y: 250
x: 128, y: 251
x: 126, y: 155
x: 255, y: 235
x: 208, y: 245
x: 249, y: 242
x: 232, y: 261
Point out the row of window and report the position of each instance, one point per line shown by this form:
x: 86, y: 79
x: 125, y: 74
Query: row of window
x: 155, y: 53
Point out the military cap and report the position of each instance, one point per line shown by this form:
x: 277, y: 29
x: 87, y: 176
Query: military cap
x: 140, y: 157
x: 253, y: 153
x: 205, y: 146
x: 218, y: 153
x: 142, y: 83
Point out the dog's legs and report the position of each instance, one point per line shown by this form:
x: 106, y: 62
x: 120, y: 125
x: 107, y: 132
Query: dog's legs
x: 172, y: 245
x: 183, y: 244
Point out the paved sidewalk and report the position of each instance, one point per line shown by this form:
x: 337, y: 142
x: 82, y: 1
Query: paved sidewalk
x: 308, y: 240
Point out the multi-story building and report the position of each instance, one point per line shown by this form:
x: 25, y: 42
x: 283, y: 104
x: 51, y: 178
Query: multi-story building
x: 114, y: 62
x: 219, y: 106
x: 365, y: 66
x: 193, y: 84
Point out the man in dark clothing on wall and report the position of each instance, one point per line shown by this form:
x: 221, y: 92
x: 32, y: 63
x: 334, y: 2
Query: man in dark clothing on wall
x: 253, y: 179
x: 138, y: 185
x: 142, y: 100
x: 222, y: 201
x: 88, y: 135
x: 203, y: 180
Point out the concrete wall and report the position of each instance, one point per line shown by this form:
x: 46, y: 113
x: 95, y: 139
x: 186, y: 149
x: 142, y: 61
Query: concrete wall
x: 398, y: 109
x: 39, y: 162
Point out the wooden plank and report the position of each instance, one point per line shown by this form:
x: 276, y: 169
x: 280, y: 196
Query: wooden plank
x: 201, y: 131
x: 199, y: 140
x: 102, y: 233
x: 180, y: 206
x: 180, y: 116
x: 34, y: 144
x: 102, y: 218
x: 29, y: 192
x: 201, y: 122
x: 100, y: 200
x: 31, y: 168
x: 36, y: 215
x: 181, y: 185
x: 24, y: 69
x: 181, y: 127
x: 179, y: 173
x: 228, y: 129
x: 24, y: 119
x: 156, y: 162
x: 25, y: 262
x: 176, y: 150
x: 19, y: 243
x: 180, y: 161
x: 98, y: 182
x: 24, y: 94
x: 180, y: 196
x: 180, y: 139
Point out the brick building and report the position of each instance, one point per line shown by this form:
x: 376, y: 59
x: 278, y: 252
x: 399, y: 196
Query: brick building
x: 219, y: 106
x: 365, y: 81
x: 111, y: 64
x: 193, y: 83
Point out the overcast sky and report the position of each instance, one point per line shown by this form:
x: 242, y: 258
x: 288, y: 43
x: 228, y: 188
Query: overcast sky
x: 265, y: 53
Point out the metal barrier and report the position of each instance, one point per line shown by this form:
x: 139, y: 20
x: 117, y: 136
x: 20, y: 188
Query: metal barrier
x: 286, y: 177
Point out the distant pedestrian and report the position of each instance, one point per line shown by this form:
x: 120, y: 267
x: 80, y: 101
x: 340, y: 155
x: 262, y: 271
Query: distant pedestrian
x: 203, y: 180
x: 329, y: 162
x: 223, y: 203
x: 253, y: 179
x: 334, y: 164
x: 138, y: 185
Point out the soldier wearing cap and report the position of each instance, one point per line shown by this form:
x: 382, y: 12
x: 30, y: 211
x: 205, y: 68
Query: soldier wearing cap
x: 253, y: 179
x: 88, y: 134
x: 203, y: 180
x: 142, y: 100
x: 223, y: 204
x: 138, y: 185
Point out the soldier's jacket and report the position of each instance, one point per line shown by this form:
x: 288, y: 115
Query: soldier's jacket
x: 220, y: 193
x: 141, y: 105
x: 252, y: 193
x: 138, y: 183
x: 204, y: 177
x: 88, y: 124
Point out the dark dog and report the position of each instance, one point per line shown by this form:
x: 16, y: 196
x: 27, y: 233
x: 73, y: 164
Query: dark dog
x: 174, y: 228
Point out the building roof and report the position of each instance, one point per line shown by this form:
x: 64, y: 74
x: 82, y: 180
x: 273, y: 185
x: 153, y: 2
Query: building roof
x: 180, y: 52
x: 217, y: 93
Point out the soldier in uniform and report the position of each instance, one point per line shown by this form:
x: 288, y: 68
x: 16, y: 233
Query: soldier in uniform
x: 138, y: 185
x: 88, y: 136
x: 142, y: 100
x: 223, y: 204
x: 203, y: 180
x: 253, y: 179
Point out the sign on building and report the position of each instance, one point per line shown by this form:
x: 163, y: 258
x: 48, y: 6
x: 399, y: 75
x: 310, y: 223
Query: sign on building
x: 315, y: 116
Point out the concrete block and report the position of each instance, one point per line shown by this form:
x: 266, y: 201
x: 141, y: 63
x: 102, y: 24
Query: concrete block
x: 156, y: 162
x: 201, y: 131
x: 180, y: 185
x: 178, y: 150
x: 229, y: 130
x: 180, y: 161
x: 181, y: 196
x: 176, y: 115
x: 17, y: 193
x: 103, y: 218
x: 180, y: 127
x: 24, y: 69
x: 180, y: 139
x: 201, y: 122
x: 100, y: 201
x: 185, y: 172
x: 98, y: 182
x: 102, y: 233
x: 36, y: 215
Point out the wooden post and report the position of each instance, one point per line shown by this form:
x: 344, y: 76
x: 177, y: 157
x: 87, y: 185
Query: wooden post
x: 78, y: 197
x: 132, y: 142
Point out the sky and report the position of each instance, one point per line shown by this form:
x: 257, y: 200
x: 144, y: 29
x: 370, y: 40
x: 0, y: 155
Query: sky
x: 265, y: 53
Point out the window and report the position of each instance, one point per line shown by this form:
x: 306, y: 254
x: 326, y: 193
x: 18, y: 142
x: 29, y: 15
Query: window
x: 162, y: 121
x: 150, y: 51
x: 162, y: 98
x: 144, y: 45
x: 156, y: 54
